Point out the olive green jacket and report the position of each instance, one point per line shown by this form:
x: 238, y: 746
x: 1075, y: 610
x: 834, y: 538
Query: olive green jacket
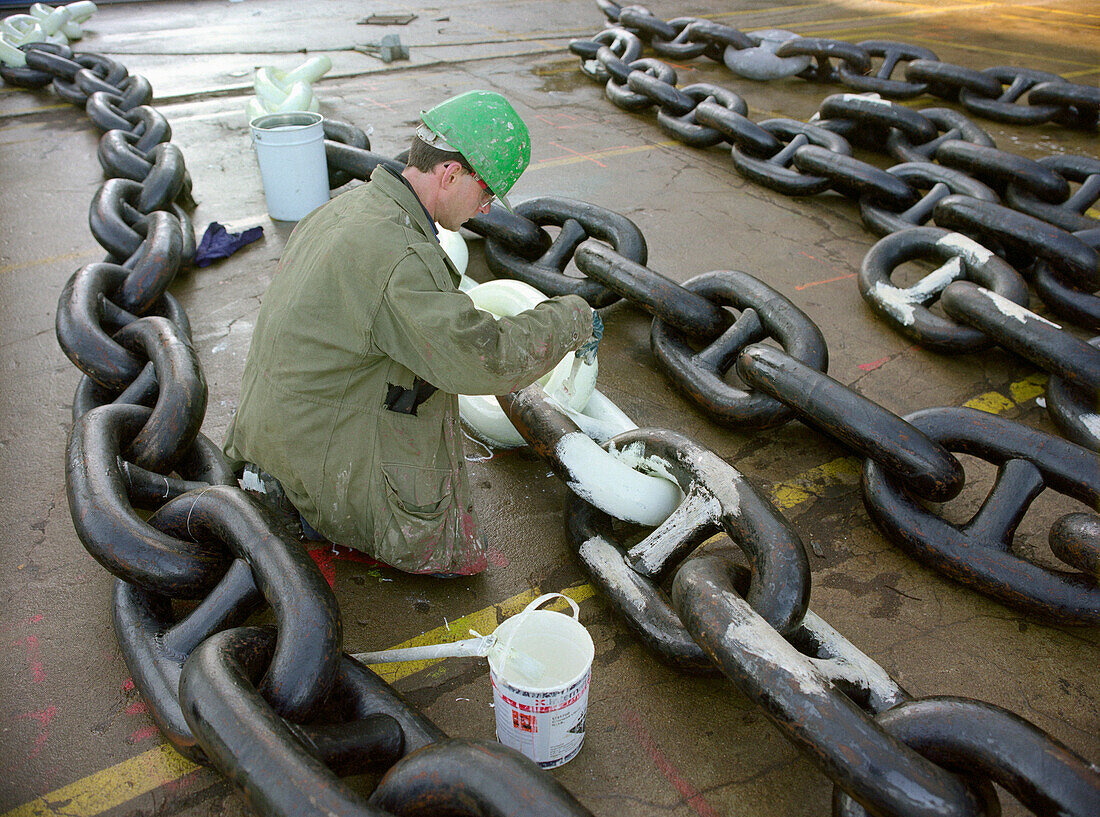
x: 364, y: 301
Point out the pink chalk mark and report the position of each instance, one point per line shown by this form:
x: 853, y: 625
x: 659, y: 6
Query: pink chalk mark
x: 870, y: 367
x: 692, y: 796
x: 44, y: 717
x: 35, y: 619
x: 497, y: 557
x: 139, y: 735
x: 34, y: 658
x: 136, y: 708
x: 578, y: 154
x: 844, y: 277
x: 128, y: 685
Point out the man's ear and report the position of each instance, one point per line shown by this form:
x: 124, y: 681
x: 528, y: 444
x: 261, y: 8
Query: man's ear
x: 450, y: 174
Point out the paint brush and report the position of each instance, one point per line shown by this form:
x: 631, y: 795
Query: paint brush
x: 479, y: 647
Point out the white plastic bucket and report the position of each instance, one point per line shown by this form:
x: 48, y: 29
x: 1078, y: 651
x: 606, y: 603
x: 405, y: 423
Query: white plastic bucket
x: 543, y: 718
x: 290, y: 148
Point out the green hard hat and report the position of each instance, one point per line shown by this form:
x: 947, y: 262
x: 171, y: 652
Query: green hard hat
x: 485, y: 128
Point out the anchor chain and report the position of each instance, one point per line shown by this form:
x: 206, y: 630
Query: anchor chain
x: 998, y: 93
x: 155, y: 502
x: 782, y: 657
x: 754, y: 625
x: 953, y: 176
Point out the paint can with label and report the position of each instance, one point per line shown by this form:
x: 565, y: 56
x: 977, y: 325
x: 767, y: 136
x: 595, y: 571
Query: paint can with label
x: 542, y: 715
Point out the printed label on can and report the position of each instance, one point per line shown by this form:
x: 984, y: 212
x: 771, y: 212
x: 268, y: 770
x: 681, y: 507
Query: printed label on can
x: 547, y: 727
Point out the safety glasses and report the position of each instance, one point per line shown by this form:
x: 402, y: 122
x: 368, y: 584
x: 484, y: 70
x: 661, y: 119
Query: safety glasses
x: 487, y: 196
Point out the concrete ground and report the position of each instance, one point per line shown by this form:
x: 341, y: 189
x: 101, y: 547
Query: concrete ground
x: 74, y: 736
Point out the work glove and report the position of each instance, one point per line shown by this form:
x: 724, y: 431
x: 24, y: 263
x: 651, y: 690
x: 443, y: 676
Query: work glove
x: 587, y: 352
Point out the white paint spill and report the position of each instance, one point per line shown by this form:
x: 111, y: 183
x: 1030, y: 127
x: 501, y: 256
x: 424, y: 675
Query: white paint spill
x: 875, y: 99
x: 966, y: 247
x: 607, y: 482
x: 1011, y: 309
x: 902, y: 303
x: 1092, y: 423
x: 1041, y: 402
x: 895, y: 301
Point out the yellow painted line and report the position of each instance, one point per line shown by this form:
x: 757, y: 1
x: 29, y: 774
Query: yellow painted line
x: 1062, y: 24
x: 118, y: 784
x: 111, y: 787
x: 602, y: 154
x: 895, y: 16
x: 53, y: 259
x: 811, y: 483
x: 772, y: 10
x: 27, y: 111
x: 1046, y: 10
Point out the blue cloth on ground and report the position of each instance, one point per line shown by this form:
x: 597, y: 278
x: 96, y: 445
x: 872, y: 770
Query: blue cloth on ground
x: 219, y: 243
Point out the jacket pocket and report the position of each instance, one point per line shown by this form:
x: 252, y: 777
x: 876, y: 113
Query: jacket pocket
x: 438, y: 264
x: 417, y: 522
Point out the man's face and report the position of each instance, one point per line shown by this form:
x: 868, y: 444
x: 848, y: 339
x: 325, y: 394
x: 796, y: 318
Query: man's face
x: 463, y: 196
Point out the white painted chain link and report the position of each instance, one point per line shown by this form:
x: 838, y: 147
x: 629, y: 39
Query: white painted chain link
x: 44, y: 24
x: 278, y: 91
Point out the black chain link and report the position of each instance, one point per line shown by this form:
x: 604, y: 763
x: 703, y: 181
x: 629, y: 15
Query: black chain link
x: 319, y: 713
x: 218, y: 691
x: 995, y: 93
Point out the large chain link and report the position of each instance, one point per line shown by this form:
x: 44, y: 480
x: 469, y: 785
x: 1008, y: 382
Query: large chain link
x: 218, y: 691
x: 754, y: 624
x: 995, y: 93
x: 246, y: 687
x: 892, y: 754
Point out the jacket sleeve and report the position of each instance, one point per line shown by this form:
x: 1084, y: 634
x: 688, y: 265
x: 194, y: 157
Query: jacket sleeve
x: 443, y: 338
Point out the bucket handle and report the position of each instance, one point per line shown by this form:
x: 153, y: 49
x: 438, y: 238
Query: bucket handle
x: 545, y: 597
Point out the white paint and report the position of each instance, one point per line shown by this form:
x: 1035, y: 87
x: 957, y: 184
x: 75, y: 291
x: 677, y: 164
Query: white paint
x: 250, y: 481
x: 902, y: 304
x: 604, y: 559
x: 1092, y: 423
x: 1011, y: 309
x: 631, y: 454
x: 895, y: 301
x: 698, y: 510
x: 573, y: 389
x: 749, y: 633
x: 874, y: 99
x: 965, y: 247
x: 604, y: 480
x: 850, y: 664
x: 937, y: 280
